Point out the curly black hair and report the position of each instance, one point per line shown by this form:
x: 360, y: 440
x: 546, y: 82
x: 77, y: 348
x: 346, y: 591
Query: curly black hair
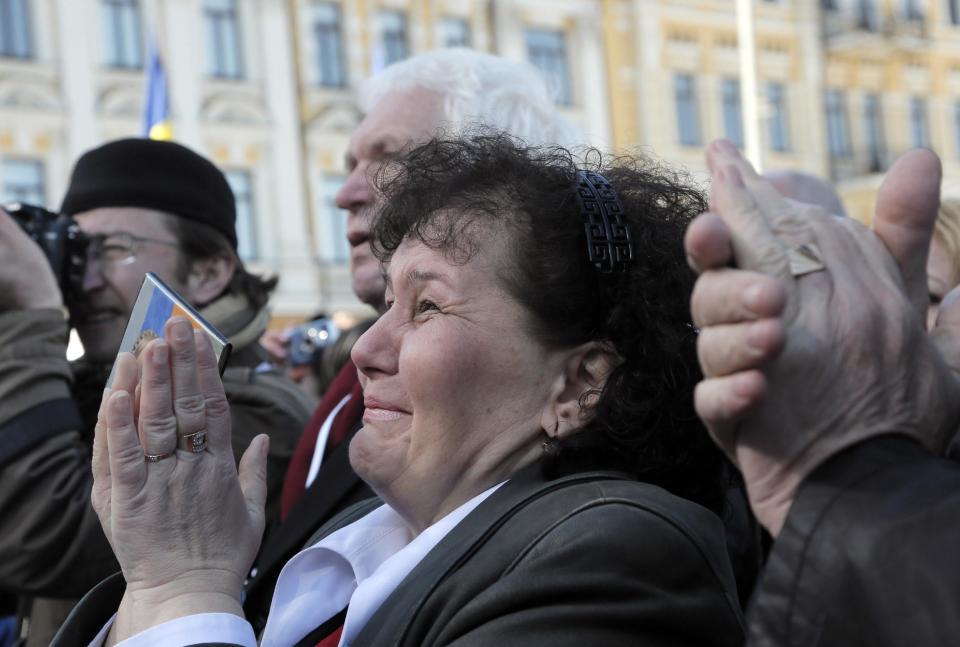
x: 643, y: 422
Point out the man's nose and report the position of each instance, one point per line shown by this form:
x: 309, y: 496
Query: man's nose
x: 356, y: 192
x: 92, y: 274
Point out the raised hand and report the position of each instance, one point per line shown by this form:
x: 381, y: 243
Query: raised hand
x: 184, y: 523
x: 803, y: 360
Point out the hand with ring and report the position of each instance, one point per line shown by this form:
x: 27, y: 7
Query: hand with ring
x: 184, y: 523
x: 815, y: 340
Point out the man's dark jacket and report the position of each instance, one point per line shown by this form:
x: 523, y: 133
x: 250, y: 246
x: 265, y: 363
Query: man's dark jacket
x: 589, y: 559
x: 869, y: 554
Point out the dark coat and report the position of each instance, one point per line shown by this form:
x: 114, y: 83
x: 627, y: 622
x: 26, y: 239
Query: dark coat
x: 869, y: 554
x: 589, y: 559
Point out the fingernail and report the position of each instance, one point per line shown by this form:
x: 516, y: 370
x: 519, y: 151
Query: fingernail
x: 180, y: 330
x: 744, y: 385
x: 756, y: 334
x: 161, y: 354
x: 752, y: 296
x: 121, y: 401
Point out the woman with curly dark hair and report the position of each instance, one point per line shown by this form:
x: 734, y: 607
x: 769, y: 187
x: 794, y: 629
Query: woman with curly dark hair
x: 529, y: 430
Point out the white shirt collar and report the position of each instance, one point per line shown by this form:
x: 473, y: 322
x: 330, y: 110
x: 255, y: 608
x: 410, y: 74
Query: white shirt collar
x: 360, y: 564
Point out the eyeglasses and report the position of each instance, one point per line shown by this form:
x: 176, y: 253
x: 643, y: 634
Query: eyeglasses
x: 119, y: 248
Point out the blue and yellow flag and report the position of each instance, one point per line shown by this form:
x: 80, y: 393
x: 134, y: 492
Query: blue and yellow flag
x: 156, y: 109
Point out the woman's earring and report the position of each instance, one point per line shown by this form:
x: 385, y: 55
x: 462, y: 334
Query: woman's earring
x: 550, y: 445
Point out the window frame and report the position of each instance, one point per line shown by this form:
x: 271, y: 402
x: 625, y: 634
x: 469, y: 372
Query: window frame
x: 731, y: 102
x: 244, y: 199
x: 838, y: 123
x: 330, y: 72
x: 552, y: 60
x: 222, y: 25
x: 16, y: 36
x: 686, y: 104
x: 117, y: 56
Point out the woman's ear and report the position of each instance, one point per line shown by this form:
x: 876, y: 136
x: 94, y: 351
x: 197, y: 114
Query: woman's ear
x: 209, y: 277
x: 577, y: 390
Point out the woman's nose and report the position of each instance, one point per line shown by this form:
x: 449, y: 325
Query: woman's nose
x: 376, y: 352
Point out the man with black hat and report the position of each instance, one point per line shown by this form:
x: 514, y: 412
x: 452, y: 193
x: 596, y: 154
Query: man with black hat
x: 146, y: 206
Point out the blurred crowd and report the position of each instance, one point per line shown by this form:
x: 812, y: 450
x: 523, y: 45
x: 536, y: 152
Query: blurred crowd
x: 598, y: 405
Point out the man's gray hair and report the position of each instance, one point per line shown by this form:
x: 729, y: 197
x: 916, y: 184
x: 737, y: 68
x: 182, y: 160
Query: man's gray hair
x: 479, y: 90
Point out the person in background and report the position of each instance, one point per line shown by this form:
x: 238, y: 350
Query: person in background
x: 943, y: 261
x: 528, y: 428
x: 328, y: 365
x: 448, y: 90
x: 146, y: 206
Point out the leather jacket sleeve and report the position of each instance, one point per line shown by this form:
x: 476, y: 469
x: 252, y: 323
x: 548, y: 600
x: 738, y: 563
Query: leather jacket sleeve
x: 868, y: 554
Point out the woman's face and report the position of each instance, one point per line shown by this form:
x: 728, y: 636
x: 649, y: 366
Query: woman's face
x: 943, y: 274
x: 454, y: 384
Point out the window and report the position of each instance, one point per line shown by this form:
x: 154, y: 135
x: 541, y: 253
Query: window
x: 838, y: 136
x: 454, y: 32
x: 873, y: 129
x: 547, y: 50
x: 242, y: 186
x: 336, y: 220
x: 919, y: 135
x: 954, y: 8
x: 393, y: 35
x: 912, y: 10
x: 328, y: 39
x: 23, y: 181
x: 732, y: 113
x: 688, y: 117
x: 779, y: 122
x: 121, y: 31
x: 223, y: 39
x: 867, y: 15
x: 15, y: 29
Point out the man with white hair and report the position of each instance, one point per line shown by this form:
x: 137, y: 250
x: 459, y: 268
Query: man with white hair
x: 447, y: 92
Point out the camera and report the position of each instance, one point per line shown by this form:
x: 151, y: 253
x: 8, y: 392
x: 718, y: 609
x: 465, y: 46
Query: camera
x: 307, y: 341
x: 62, y: 242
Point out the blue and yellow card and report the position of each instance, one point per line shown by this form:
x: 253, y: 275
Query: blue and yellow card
x: 155, y: 304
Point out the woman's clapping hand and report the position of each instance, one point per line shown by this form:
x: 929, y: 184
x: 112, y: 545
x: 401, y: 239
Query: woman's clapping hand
x: 185, y: 527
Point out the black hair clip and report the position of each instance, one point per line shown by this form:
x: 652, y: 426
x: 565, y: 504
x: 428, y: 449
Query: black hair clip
x: 609, y: 239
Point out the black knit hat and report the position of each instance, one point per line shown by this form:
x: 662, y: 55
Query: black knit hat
x: 153, y: 175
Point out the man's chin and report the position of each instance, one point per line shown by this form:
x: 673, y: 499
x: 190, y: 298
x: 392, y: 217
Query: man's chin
x: 100, y: 341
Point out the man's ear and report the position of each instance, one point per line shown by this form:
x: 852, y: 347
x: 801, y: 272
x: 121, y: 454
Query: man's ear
x: 209, y: 277
x: 576, y: 390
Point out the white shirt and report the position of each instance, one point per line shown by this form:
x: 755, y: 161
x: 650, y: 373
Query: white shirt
x: 322, y: 437
x: 359, y: 565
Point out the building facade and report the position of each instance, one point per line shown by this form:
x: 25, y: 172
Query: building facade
x: 266, y: 89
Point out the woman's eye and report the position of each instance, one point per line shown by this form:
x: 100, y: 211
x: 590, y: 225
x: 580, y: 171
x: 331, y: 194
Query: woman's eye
x: 426, y: 306
x: 935, y: 299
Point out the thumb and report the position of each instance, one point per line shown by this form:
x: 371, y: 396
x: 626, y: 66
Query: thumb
x: 907, y: 206
x: 252, y: 474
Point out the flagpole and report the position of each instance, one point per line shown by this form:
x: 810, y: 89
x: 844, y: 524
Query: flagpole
x: 748, y: 82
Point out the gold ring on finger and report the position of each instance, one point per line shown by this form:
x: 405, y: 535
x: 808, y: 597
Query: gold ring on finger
x: 156, y: 458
